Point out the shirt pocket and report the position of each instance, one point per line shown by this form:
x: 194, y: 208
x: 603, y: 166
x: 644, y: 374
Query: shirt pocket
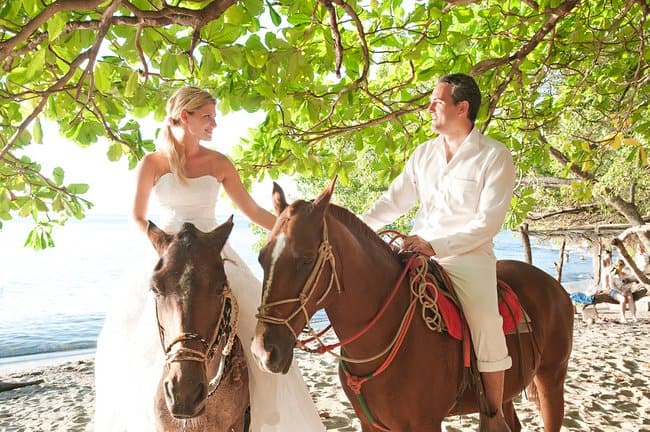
x: 462, y: 194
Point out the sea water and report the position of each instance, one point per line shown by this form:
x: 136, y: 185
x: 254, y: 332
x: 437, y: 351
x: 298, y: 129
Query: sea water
x: 53, y: 301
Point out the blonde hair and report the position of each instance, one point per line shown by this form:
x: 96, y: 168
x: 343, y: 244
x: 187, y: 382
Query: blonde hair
x: 188, y: 99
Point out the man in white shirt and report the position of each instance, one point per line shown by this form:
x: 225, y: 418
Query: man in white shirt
x: 464, y: 182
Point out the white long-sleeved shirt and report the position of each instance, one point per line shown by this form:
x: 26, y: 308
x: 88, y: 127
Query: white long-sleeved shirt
x: 463, y: 203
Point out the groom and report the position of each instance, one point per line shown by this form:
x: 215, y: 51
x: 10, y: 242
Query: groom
x: 464, y: 182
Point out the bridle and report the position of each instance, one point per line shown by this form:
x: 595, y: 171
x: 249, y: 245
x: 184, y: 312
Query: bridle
x: 325, y: 256
x: 226, y: 327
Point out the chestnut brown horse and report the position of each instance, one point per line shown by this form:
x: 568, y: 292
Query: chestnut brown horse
x: 320, y: 256
x: 204, y: 383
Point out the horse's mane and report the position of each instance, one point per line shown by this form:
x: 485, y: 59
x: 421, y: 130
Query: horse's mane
x: 357, y: 227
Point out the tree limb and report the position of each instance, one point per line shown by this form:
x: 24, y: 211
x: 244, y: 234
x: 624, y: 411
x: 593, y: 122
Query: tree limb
x: 49, y: 11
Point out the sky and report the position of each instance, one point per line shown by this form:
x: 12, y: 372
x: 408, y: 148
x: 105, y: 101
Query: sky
x: 112, y: 183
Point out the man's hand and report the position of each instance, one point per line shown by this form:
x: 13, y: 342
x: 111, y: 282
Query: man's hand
x: 417, y: 244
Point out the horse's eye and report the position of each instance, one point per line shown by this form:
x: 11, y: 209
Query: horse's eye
x: 155, y: 289
x: 156, y: 285
x: 260, y: 256
x: 306, y: 261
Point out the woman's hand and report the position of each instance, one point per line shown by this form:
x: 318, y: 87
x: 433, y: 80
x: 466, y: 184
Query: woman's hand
x: 417, y: 244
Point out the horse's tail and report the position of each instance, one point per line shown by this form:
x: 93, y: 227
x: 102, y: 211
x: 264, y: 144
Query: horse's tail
x: 532, y: 394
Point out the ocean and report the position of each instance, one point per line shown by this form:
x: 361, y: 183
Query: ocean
x: 52, y: 302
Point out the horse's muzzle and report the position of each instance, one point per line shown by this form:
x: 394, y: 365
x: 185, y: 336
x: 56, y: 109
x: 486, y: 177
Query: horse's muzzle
x: 186, y: 400
x: 272, y: 348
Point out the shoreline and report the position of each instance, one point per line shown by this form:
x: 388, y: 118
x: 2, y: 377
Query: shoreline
x: 607, y: 388
x: 46, y: 359
x: 52, y: 358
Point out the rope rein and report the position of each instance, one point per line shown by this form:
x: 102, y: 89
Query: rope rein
x: 325, y: 255
x: 226, y: 326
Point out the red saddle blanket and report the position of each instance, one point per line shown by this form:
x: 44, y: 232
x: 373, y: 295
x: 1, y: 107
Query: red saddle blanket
x: 509, y: 308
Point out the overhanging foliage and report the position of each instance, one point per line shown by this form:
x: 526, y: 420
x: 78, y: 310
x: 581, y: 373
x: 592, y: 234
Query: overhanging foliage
x: 352, y: 73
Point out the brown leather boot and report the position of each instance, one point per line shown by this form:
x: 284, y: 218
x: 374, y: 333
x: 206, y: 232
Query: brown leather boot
x: 493, y: 423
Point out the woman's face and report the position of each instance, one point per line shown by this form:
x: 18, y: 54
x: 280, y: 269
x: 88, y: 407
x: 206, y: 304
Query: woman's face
x: 201, y: 122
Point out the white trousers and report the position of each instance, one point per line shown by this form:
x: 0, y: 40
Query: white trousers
x: 475, y: 278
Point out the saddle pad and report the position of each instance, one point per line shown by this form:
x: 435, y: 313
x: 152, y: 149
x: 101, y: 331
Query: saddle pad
x: 509, y: 308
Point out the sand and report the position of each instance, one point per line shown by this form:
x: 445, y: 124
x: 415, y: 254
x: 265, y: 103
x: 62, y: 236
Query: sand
x: 608, y: 387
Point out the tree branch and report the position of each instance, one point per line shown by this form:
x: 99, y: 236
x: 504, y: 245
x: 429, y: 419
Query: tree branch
x: 554, y: 16
x: 40, y: 19
x: 37, y: 110
x: 336, y: 34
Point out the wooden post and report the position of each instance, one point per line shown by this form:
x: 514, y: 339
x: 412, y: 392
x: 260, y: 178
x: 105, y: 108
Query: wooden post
x: 523, y: 231
x: 597, y: 256
x: 558, y: 266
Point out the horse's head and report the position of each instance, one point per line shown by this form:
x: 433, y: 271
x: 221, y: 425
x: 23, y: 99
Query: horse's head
x: 298, y: 276
x: 190, y: 285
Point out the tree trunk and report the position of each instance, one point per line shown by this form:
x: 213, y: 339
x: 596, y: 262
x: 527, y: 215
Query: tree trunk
x: 560, y: 263
x: 528, y: 255
x: 628, y: 210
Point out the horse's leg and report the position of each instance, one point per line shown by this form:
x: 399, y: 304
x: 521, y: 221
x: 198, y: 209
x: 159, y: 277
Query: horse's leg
x: 550, y: 394
x: 511, y: 416
x: 365, y: 427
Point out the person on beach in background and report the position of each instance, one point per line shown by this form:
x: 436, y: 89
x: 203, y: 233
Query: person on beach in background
x: 615, y: 282
x: 464, y: 182
x: 186, y: 177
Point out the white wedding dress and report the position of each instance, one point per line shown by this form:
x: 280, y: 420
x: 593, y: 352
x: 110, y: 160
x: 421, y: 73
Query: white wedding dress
x: 129, y: 358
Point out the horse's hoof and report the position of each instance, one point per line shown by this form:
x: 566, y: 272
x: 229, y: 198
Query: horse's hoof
x: 493, y: 423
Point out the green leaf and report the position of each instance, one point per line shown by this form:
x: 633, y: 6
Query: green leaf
x: 37, y: 132
x: 255, y: 7
x: 114, y: 152
x: 102, y: 77
x: 275, y: 16
x: 232, y: 56
x: 58, y: 175
x: 168, y: 66
x: 55, y: 26
x: 10, y: 10
x: 36, y: 65
x: 131, y: 84
x: 235, y: 14
x: 299, y: 19
x: 77, y: 188
x: 209, y: 65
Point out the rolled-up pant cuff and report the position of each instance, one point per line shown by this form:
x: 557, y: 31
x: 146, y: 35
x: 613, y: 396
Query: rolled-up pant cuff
x: 495, y: 366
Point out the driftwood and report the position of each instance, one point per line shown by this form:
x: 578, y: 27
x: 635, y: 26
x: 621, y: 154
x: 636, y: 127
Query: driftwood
x: 606, y: 298
x: 6, y: 386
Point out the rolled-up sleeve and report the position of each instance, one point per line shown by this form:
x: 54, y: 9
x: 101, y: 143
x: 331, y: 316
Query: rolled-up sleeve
x: 493, y: 204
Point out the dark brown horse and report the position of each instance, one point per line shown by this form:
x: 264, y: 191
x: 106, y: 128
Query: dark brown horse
x: 204, y: 384
x: 320, y: 256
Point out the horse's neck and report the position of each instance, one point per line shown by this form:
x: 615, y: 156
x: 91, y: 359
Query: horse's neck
x: 368, y: 276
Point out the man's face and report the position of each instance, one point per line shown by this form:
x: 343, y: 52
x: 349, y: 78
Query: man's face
x: 445, y: 113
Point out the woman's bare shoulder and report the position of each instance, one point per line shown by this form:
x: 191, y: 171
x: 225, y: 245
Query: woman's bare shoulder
x: 220, y: 165
x: 153, y: 166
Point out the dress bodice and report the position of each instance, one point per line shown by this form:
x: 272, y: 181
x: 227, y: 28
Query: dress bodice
x: 193, y: 202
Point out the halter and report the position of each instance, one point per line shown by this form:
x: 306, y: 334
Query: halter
x: 226, y: 326
x: 325, y: 255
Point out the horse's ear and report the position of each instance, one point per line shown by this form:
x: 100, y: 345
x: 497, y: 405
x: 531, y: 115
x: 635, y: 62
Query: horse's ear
x: 323, y: 200
x: 279, y: 200
x: 159, y: 238
x: 219, y: 235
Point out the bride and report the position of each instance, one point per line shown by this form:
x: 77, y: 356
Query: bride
x: 186, y: 178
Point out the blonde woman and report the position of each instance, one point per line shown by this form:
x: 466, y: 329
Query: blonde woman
x: 186, y: 177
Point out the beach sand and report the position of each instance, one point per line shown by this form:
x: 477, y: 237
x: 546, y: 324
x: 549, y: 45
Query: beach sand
x: 608, y: 387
